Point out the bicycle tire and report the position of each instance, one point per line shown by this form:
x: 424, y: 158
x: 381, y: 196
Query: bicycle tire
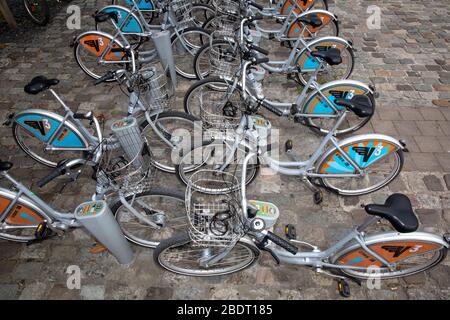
x: 184, y: 239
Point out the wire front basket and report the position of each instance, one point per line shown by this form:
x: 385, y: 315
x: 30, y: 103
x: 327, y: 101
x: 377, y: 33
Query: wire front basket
x: 227, y: 7
x: 154, y: 87
x: 219, y: 109
x: 181, y: 8
x: 225, y: 24
x: 127, y: 167
x: 224, y: 59
x: 214, y: 220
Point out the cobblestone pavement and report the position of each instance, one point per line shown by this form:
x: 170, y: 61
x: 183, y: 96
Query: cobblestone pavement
x: 408, y: 60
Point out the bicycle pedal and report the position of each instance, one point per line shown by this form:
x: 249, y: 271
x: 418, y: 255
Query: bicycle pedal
x: 8, y: 120
x: 42, y: 232
x: 343, y: 288
x: 446, y: 237
x: 318, y: 197
x: 284, y: 44
x: 290, y: 232
x: 288, y: 146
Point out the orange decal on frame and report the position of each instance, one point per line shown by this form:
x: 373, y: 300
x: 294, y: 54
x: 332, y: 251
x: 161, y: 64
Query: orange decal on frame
x: 289, y: 4
x: 97, y: 44
x: 390, y: 251
x: 22, y: 215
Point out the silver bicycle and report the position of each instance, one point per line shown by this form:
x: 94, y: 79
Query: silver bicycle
x: 314, y: 107
x: 227, y: 233
x: 129, y: 28
x: 124, y: 178
x: 48, y: 137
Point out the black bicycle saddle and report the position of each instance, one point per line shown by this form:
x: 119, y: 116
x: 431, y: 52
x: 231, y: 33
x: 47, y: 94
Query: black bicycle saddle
x: 39, y: 84
x: 398, y: 211
x: 311, y: 19
x: 331, y: 56
x: 359, y: 104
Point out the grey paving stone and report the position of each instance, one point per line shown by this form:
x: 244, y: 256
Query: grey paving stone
x: 433, y: 183
x: 8, y: 291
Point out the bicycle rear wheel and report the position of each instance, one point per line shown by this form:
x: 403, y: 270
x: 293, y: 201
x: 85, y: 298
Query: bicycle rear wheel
x: 411, y: 255
x: 378, y: 172
x: 323, y: 125
x: 165, y: 208
x: 34, y: 147
x: 180, y: 255
x: 148, y: 12
x: 90, y: 47
x: 329, y: 73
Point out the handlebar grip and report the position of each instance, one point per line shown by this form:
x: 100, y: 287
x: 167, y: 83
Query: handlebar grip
x: 257, y: 6
x: 261, y: 60
x: 289, y: 247
x: 52, y: 175
x: 84, y: 116
x: 108, y: 76
x: 259, y: 49
x: 258, y: 17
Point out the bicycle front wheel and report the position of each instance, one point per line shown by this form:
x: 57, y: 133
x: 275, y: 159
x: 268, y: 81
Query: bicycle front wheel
x: 202, y: 64
x: 179, y: 129
x: 410, y: 254
x: 201, y: 12
x: 185, y: 45
x: 211, y: 95
x: 216, y: 156
x: 180, y: 255
x: 163, y: 207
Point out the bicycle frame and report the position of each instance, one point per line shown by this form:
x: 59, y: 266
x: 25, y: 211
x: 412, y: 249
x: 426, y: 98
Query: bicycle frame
x: 281, y: 33
x: 292, y: 168
x: 283, y: 109
x: 318, y: 258
x: 67, y: 219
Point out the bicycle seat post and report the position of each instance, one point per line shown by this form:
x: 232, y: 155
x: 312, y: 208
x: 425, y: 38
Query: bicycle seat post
x: 58, y: 98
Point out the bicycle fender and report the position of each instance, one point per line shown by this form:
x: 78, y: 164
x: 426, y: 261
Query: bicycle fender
x: 43, y: 124
x: 364, y: 150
